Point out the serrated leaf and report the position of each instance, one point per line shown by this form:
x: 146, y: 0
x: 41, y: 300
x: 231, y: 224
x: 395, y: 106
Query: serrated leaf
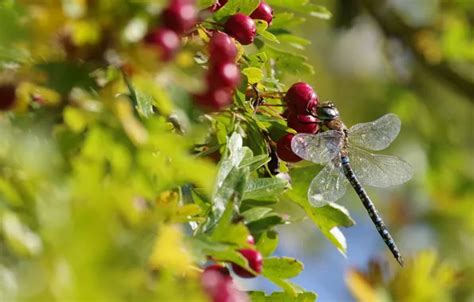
x: 234, y: 6
x: 282, y: 267
x: 264, y: 187
x: 253, y: 74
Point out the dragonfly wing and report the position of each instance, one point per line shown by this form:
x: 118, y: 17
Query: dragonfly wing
x: 328, y: 186
x: 319, y: 148
x: 376, y: 135
x: 379, y: 170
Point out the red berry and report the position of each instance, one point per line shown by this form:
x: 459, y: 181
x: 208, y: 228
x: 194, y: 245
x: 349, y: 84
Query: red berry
x: 250, y: 239
x: 7, y: 96
x: 218, y: 268
x: 284, y: 149
x: 263, y: 12
x: 303, y: 123
x: 301, y: 98
x: 165, y: 40
x: 225, y: 75
x: 214, y: 99
x: 222, y: 48
x: 220, y: 288
x: 241, y: 27
x: 180, y: 16
x: 255, y: 261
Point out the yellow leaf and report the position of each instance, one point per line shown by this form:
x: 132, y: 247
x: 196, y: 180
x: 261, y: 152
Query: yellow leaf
x: 360, y: 288
x: 135, y: 131
x: 169, y: 252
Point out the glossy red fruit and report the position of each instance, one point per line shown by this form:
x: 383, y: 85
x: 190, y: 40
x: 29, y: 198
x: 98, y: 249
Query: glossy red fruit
x: 218, y: 268
x: 263, y: 12
x: 222, y: 48
x: 165, y: 41
x: 242, y: 28
x: 180, y: 16
x: 214, y: 99
x: 226, y: 75
x: 302, y: 123
x: 255, y: 261
x: 220, y: 288
x: 301, y: 98
x: 284, y: 149
x: 7, y: 96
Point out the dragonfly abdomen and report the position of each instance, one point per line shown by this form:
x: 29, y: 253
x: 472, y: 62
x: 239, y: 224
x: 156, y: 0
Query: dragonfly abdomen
x: 371, y: 210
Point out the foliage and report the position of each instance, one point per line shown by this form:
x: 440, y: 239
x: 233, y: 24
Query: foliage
x: 115, y: 186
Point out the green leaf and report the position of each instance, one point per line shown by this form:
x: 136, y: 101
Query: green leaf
x: 295, y: 41
x: 232, y: 189
x: 267, y: 243
x: 253, y: 74
x: 264, y: 187
x: 62, y: 77
x: 256, y: 213
x: 257, y: 59
x: 254, y: 162
x: 286, y: 20
x: 289, y: 287
x: 262, y: 27
x: 281, y: 267
x: 326, y: 218
x: 144, y: 104
x: 234, y: 6
x: 282, y: 297
x: 319, y: 11
x: 202, y: 4
x: 290, y: 62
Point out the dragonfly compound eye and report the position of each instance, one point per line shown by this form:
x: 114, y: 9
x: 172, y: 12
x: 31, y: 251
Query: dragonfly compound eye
x: 327, y: 112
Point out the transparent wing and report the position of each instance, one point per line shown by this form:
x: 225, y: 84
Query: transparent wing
x: 328, y: 186
x: 319, y: 148
x: 379, y: 170
x: 376, y: 135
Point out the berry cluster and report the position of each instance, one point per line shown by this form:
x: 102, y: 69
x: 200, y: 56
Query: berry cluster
x: 301, y: 101
x: 177, y: 18
x: 243, y: 27
x: 223, y: 75
x: 217, y: 281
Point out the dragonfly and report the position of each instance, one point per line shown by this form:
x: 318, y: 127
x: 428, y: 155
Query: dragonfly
x: 344, y: 151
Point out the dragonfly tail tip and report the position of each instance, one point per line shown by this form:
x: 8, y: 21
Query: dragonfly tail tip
x: 400, y: 261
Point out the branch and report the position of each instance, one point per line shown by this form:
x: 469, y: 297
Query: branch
x: 393, y: 25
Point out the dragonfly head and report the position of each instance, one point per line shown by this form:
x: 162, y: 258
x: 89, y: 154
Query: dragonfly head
x: 327, y: 111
